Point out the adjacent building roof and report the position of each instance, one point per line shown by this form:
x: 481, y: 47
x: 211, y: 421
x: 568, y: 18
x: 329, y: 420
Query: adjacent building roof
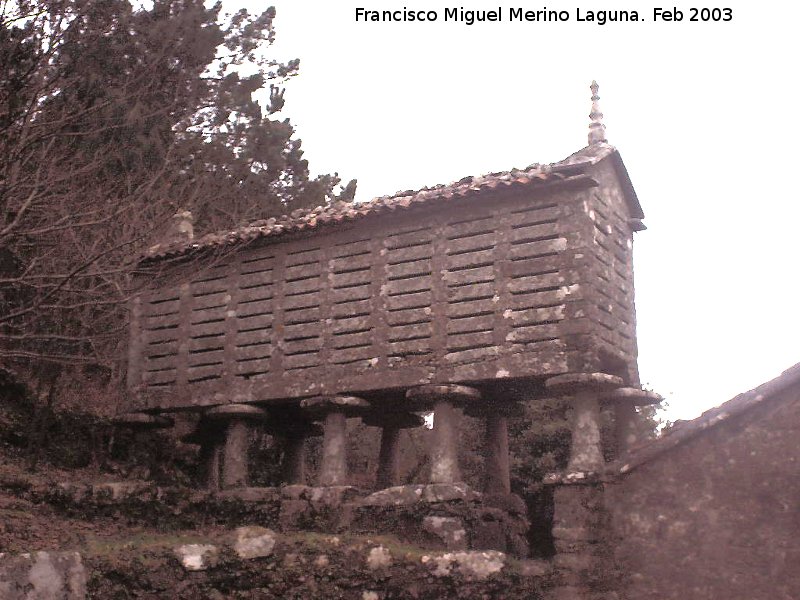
x: 685, y: 431
x: 571, y: 169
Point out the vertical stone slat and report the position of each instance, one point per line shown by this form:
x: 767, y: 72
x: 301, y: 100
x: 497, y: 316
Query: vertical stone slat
x: 184, y: 335
x: 278, y: 312
x: 378, y: 311
x: 325, y: 284
x: 502, y: 266
x: 231, y: 324
x: 438, y: 290
x: 333, y: 470
x: 497, y: 475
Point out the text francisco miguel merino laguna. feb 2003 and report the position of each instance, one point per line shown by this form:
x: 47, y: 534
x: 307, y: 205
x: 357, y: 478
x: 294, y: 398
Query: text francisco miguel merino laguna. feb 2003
x: 544, y: 15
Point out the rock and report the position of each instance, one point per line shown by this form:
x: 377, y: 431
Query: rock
x: 448, y: 529
x: 379, y: 558
x: 332, y: 495
x: 369, y: 595
x: 447, y: 492
x: 322, y: 561
x: 510, y: 503
x: 42, y: 576
x: 573, y: 562
x: 197, y: 557
x: 535, y: 568
x: 399, y: 495
x: 252, y: 494
x: 254, y: 542
x: 295, y: 492
x: 489, y: 535
x: 120, y: 490
x: 474, y: 565
x: 293, y: 514
x: 406, y: 495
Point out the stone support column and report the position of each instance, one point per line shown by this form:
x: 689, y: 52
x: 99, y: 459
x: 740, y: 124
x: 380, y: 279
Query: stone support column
x: 625, y: 401
x: 210, y: 456
x: 388, y: 474
x: 444, y: 448
x: 584, y: 390
x: 237, y: 418
x: 586, y: 451
x: 579, y: 511
x: 235, y: 467
x: 444, y: 443
x: 497, y: 474
x: 294, y: 459
x: 213, y: 466
x: 391, y: 424
x: 209, y: 436
x: 333, y: 470
x: 333, y: 411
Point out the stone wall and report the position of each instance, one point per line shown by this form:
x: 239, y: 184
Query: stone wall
x: 717, y: 516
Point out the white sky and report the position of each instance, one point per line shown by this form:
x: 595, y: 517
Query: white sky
x: 704, y: 114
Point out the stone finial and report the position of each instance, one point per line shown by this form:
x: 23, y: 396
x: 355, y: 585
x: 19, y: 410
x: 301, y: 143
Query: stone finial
x: 182, y: 226
x: 597, y: 131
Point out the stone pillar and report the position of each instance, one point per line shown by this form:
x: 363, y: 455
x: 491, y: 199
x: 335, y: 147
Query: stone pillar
x: 584, y: 390
x: 444, y: 443
x: 579, y: 517
x: 333, y: 470
x: 624, y: 426
x: 586, y: 452
x: 625, y: 401
x: 294, y: 458
x: 391, y: 423
x: 580, y: 538
x: 295, y: 430
x: 444, y: 446
x: 209, y: 436
x: 334, y: 410
x: 235, y: 466
x: 211, y: 459
x: 237, y: 419
x: 388, y: 458
x: 497, y: 474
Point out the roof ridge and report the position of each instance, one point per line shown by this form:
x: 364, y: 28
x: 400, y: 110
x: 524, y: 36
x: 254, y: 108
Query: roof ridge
x: 309, y: 218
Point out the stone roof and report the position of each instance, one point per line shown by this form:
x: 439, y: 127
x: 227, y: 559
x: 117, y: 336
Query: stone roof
x: 568, y: 169
x: 685, y: 431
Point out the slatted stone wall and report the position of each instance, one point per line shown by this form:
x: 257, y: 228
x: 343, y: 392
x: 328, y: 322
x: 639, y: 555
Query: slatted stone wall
x: 446, y: 295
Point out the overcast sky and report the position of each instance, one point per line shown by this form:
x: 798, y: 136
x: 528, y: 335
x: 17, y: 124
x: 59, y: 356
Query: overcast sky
x: 705, y: 116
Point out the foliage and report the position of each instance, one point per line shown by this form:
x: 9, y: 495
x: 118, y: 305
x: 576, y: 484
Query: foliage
x: 111, y: 119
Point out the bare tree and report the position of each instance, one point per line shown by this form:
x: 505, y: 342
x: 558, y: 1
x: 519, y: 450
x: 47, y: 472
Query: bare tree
x: 111, y: 119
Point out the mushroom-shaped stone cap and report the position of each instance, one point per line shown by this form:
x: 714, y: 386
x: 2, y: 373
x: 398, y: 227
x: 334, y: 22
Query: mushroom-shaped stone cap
x: 570, y: 383
x: 424, y: 396
x: 351, y: 406
x: 143, y: 421
x: 236, y: 411
x: 398, y: 420
x: 637, y: 396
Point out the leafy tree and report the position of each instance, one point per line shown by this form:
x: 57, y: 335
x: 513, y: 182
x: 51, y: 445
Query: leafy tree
x: 111, y: 119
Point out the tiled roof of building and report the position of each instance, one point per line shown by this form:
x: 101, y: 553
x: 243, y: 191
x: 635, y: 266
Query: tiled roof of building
x: 340, y: 212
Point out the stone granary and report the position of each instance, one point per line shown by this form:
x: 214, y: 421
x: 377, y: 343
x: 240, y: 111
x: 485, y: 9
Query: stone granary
x: 476, y: 295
